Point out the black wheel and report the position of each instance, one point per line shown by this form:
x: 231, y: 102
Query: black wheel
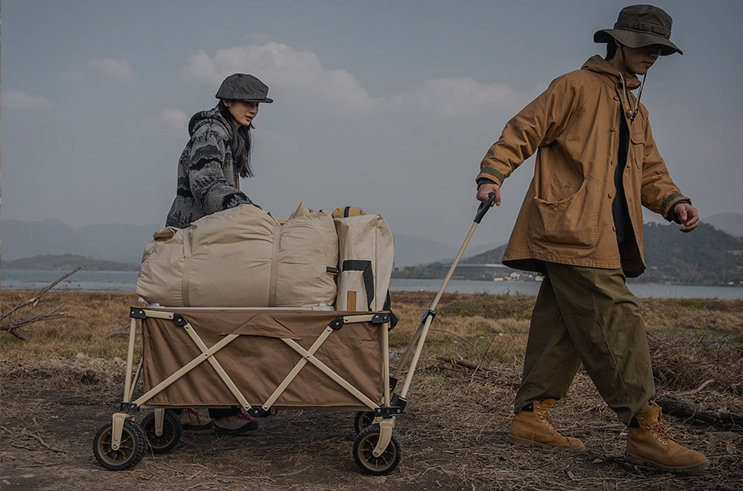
x: 129, y: 453
x: 363, y: 452
x: 362, y: 420
x: 171, y: 434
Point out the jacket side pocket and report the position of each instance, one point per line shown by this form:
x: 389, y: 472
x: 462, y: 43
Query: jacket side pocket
x: 571, y: 221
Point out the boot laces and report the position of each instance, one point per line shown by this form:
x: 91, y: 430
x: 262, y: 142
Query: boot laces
x: 546, y: 417
x: 659, y: 431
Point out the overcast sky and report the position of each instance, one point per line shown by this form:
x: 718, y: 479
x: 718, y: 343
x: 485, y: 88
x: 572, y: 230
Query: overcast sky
x: 385, y: 105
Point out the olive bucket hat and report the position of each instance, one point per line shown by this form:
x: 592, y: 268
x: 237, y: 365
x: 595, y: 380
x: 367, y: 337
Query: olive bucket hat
x: 641, y: 25
x: 243, y: 87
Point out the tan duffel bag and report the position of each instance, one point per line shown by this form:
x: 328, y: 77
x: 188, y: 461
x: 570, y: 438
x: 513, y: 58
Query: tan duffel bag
x: 243, y: 257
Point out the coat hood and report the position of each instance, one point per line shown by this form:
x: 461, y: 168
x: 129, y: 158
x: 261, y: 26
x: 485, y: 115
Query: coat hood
x: 208, y: 117
x: 599, y: 65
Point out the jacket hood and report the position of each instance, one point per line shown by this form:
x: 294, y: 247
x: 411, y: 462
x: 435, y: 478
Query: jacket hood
x: 599, y: 65
x: 209, y: 116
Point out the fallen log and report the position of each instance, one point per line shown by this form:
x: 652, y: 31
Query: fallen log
x: 706, y: 413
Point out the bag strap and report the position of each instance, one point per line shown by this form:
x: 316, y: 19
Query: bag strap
x: 367, y: 274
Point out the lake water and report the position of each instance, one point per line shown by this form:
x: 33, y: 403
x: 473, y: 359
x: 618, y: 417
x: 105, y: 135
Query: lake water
x: 14, y: 279
x: 17, y: 279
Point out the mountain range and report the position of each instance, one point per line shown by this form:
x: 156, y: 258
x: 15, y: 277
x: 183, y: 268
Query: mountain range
x: 706, y: 257
x: 110, y: 242
x: 125, y: 243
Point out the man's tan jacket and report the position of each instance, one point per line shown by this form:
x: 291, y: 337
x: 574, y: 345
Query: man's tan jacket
x: 566, y: 216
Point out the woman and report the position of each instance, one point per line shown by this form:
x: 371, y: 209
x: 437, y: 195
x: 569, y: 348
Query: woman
x: 218, y: 153
x: 209, y: 171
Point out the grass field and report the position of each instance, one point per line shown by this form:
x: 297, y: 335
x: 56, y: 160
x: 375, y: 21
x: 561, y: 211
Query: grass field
x: 454, y: 429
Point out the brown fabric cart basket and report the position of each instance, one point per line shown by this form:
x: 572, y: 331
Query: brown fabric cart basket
x: 258, y: 360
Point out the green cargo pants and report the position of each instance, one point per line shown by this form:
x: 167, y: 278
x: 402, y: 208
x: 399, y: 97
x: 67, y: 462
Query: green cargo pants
x: 587, y: 315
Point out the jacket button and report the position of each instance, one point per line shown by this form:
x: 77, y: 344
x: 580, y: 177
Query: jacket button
x: 613, y: 128
x: 610, y: 196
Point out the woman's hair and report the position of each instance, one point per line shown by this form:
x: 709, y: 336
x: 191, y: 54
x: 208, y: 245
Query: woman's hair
x: 611, y: 49
x: 242, y: 142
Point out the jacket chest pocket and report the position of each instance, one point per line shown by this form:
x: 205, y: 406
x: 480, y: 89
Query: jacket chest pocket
x: 572, y: 221
x: 637, y: 150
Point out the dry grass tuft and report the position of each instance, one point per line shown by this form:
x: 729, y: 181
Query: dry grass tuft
x: 91, y: 326
x: 682, y: 362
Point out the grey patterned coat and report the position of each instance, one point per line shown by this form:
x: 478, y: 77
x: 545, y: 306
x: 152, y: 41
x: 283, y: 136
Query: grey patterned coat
x: 207, y: 173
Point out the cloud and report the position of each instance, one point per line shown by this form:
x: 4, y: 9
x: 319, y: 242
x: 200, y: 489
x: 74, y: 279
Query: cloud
x: 327, y: 136
x: 170, y: 123
x: 462, y: 97
x: 115, y: 69
x: 291, y: 75
x: 19, y: 100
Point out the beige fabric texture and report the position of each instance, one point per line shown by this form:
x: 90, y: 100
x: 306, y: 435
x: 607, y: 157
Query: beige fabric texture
x: 364, y: 239
x: 243, y: 257
x: 258, y: 361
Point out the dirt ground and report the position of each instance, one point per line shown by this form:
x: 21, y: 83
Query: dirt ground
x: 454, y: 435
x: 454, y: 438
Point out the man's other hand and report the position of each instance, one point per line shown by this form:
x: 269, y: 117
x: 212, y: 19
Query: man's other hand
x: 688, y: 215
x: 484, y: 190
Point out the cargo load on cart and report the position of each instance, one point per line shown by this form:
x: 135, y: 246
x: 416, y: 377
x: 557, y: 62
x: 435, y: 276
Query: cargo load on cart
x: 245, y: 257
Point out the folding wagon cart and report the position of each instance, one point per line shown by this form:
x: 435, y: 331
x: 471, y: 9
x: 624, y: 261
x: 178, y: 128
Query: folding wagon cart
x: 263, y: 359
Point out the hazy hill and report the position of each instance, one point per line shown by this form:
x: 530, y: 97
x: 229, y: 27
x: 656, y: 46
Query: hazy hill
x: 125, y: 243
x: 410, y: 250
x: 707, y: 256
x: 493, y: 256
x: 731, y: 223
x: 706, y: 259
x: 120, y: 243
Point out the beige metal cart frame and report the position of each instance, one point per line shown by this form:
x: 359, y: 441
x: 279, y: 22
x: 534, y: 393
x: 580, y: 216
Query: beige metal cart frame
x: 216, y: 369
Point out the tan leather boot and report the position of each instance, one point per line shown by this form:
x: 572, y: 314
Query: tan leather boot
x: 536, y: 428
x: 651, y: 444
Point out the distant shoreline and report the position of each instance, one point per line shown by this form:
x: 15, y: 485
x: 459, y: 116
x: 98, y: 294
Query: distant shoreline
x: 67, y: 270
x: 67, y: 262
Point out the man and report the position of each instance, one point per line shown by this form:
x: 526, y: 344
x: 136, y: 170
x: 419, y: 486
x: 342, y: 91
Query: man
x: 581, y: 226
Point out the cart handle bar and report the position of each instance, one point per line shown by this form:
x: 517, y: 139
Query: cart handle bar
x: 484, y: 207
x: 422, y: 331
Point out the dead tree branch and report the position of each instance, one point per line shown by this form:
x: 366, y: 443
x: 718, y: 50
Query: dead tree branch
x: 35, y: 299
x: 12, y: 326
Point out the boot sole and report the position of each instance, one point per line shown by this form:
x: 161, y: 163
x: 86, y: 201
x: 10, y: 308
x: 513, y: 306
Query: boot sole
x: 531, y: 443
x: 641, y: 460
